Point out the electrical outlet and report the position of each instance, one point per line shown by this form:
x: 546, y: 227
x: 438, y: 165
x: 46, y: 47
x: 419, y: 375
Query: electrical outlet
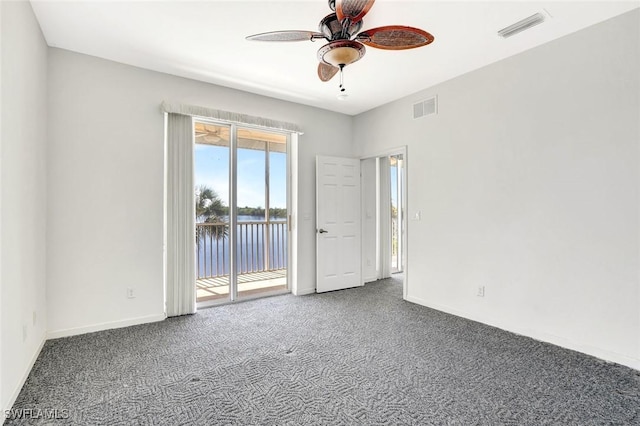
x: 131, y: 294
x: 368, y: 262
x: 417, y: 216
x: 480, y: 291
x: 35, y: 318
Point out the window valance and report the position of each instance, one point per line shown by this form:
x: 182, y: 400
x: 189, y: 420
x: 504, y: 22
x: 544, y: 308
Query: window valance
x: 199, y: 111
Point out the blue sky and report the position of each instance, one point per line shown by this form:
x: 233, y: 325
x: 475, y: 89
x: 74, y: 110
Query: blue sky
x: 212, y: 169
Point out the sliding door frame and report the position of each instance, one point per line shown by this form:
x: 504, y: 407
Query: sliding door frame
x: 233, y: 216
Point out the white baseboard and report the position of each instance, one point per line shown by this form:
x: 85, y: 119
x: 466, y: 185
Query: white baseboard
x: 23, y: 379
x: 306, y: 290
x: 600, y: 353
x: 55, y: 334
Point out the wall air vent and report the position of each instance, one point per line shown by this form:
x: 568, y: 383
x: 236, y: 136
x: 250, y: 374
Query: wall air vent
x: 519, y: 26
x: 426, y: 107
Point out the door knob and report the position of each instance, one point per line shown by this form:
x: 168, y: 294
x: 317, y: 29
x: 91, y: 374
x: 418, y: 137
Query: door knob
x: 322, y: 231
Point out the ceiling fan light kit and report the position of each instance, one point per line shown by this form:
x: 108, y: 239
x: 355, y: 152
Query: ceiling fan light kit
x: 345, y: 44
x: 341, y: 52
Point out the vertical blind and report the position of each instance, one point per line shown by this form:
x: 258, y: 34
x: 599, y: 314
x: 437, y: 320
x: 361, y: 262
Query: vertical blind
x: 180, y: 272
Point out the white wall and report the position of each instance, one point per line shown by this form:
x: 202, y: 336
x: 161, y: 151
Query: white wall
x: 24, y: 198
x: 106, y: 184
x: 369, y: 213
x: 527, y: 180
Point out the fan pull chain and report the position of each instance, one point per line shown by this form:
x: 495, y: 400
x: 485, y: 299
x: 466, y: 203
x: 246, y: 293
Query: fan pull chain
x: 342, y: 95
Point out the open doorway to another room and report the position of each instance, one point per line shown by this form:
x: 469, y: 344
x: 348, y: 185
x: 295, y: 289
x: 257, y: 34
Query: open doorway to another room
x: 383, y: 218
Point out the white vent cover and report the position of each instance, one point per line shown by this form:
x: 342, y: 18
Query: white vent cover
x: 519, y: 26
x: 426, y: 107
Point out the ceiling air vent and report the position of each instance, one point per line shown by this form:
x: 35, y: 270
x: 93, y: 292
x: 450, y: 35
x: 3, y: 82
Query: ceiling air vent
x: 519, y: 26
x: 426, y: 107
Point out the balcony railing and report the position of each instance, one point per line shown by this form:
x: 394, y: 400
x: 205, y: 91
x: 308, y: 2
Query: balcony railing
x: 261, y: 247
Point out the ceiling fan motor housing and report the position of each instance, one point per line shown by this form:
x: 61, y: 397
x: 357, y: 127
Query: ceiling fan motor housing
x: 332, y: 29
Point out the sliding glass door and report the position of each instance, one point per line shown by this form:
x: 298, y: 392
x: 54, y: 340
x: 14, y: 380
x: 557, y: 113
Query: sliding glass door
x: 212, y: 196
x: 262, y: 212
x: 241, y: 212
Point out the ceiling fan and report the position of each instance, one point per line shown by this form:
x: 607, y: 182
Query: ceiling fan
x: 346, y: 44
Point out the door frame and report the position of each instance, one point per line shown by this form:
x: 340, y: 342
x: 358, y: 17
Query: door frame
x: 400, y: 150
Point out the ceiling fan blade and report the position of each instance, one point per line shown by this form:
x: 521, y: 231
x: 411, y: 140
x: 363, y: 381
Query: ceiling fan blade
x: 288, y: 35
x: 395, y: 37
x: 326, y: 71
x: 353, y: 9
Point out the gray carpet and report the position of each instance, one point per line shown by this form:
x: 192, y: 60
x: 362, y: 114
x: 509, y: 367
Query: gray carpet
x: 359, y: 356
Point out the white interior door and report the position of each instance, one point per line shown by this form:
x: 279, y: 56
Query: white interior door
x: 337, y: 223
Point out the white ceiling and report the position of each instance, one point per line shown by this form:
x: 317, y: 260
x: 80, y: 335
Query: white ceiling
x: 205, y: 40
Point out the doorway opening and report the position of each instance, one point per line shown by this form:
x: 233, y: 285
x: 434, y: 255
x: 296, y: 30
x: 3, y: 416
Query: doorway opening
x: 242, y: 222
x: 384, y: 203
